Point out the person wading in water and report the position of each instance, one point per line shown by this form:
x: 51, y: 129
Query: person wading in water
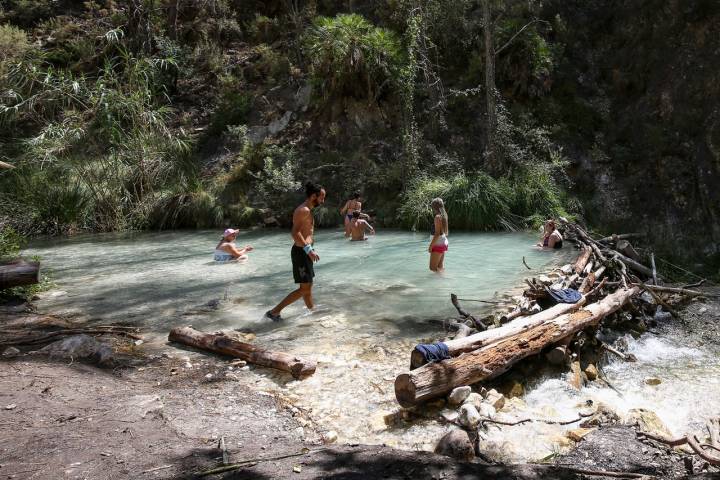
x: 351, y: 206
x: 302, y: 253
x: 359, y: 225
x: 439, y: 243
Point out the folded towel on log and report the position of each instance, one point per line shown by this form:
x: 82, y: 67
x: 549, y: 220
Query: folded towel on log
x: 565, y: 295
x: 433, y: 352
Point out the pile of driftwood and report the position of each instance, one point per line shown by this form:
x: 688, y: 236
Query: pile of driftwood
x: 610, y: 276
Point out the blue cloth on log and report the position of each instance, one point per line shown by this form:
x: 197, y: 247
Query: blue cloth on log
x: 433, y: 352
x: 566, y: 295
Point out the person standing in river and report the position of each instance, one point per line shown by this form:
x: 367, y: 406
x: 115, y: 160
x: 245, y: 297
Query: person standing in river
x: 439, y: 243
x: 351, y: 206
x: 359, y: 225
x: 302, y: 253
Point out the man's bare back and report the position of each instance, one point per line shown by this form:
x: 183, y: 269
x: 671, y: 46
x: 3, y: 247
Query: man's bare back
x: 358, y: 227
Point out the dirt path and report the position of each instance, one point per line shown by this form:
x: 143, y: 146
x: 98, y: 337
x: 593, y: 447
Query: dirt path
x: 78, y: 421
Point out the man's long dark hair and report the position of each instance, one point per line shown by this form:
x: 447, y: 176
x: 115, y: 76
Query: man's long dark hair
x: 312, y: 188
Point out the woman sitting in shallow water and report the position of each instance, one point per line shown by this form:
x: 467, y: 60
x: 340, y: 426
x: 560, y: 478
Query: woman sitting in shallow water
x: 226, y: 250
x: 551, y: 236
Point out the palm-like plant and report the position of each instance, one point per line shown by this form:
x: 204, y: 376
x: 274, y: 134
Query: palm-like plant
x: 349, y: 55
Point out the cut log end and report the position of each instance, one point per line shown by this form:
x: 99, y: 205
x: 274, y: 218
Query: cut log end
x: 405, y: 391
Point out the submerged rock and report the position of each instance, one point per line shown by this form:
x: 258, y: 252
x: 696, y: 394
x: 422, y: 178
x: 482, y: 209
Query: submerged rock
x: 653, y: 381
x: 603, y: 416
x: 647, y: 421
x: 456, y: 444
x: 512, y: 388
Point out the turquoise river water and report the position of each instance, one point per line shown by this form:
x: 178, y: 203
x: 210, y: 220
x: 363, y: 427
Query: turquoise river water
x: 374, y: 302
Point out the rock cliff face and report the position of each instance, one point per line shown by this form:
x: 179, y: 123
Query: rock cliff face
x: 645, y: 77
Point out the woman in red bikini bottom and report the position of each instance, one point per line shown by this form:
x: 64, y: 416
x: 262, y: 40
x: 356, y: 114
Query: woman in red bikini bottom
x: 439, y: 243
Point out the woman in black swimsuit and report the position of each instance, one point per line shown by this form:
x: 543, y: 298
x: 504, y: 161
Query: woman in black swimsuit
x: 352, y: 205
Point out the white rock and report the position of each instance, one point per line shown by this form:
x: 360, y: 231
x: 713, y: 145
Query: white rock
x: 487, y: 410
x: 495, y: 399
x: 469, y: 416
x: 474, y: 399
x: 330, y: 437
x: 449, y: 415
x: 458, y: 395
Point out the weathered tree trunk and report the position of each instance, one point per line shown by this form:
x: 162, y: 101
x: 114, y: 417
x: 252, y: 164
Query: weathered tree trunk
x: 19, y: 272
x: 638, y: 267
x: 491, y: 109
x: 583, y: 259
x: 589, y: 281
x: 437, y: 379
x: 462, y: 345
x: 626, y: 248
x: 219, y: 343
x: 624, y: 236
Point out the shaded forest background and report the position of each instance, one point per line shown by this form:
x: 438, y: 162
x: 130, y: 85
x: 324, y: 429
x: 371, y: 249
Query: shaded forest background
x: 157, y: 114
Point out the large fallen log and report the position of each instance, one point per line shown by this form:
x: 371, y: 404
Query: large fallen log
x: 437, y: 379
x: 219, y: 343
x: 458, y: 346
x: 19, y: 272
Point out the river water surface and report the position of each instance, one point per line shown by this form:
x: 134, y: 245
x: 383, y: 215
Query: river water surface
x: 375, y: 301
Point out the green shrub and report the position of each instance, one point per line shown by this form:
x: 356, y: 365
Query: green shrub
x: 350, y: 56
x: 476, y: 202
x: 272, y: 64
x: 232, y: 109
x: 263, y: 29
x: 13, y: 43
x: 10, y: 243
x: 480, y: 202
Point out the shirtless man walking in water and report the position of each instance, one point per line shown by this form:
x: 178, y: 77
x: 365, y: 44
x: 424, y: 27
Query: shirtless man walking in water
x: 358, y: 226
x: 302, y: 253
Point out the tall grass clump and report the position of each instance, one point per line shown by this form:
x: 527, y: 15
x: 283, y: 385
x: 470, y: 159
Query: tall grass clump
x: 474, y: 202
x: 482, y: 203
x: 349, y: 55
